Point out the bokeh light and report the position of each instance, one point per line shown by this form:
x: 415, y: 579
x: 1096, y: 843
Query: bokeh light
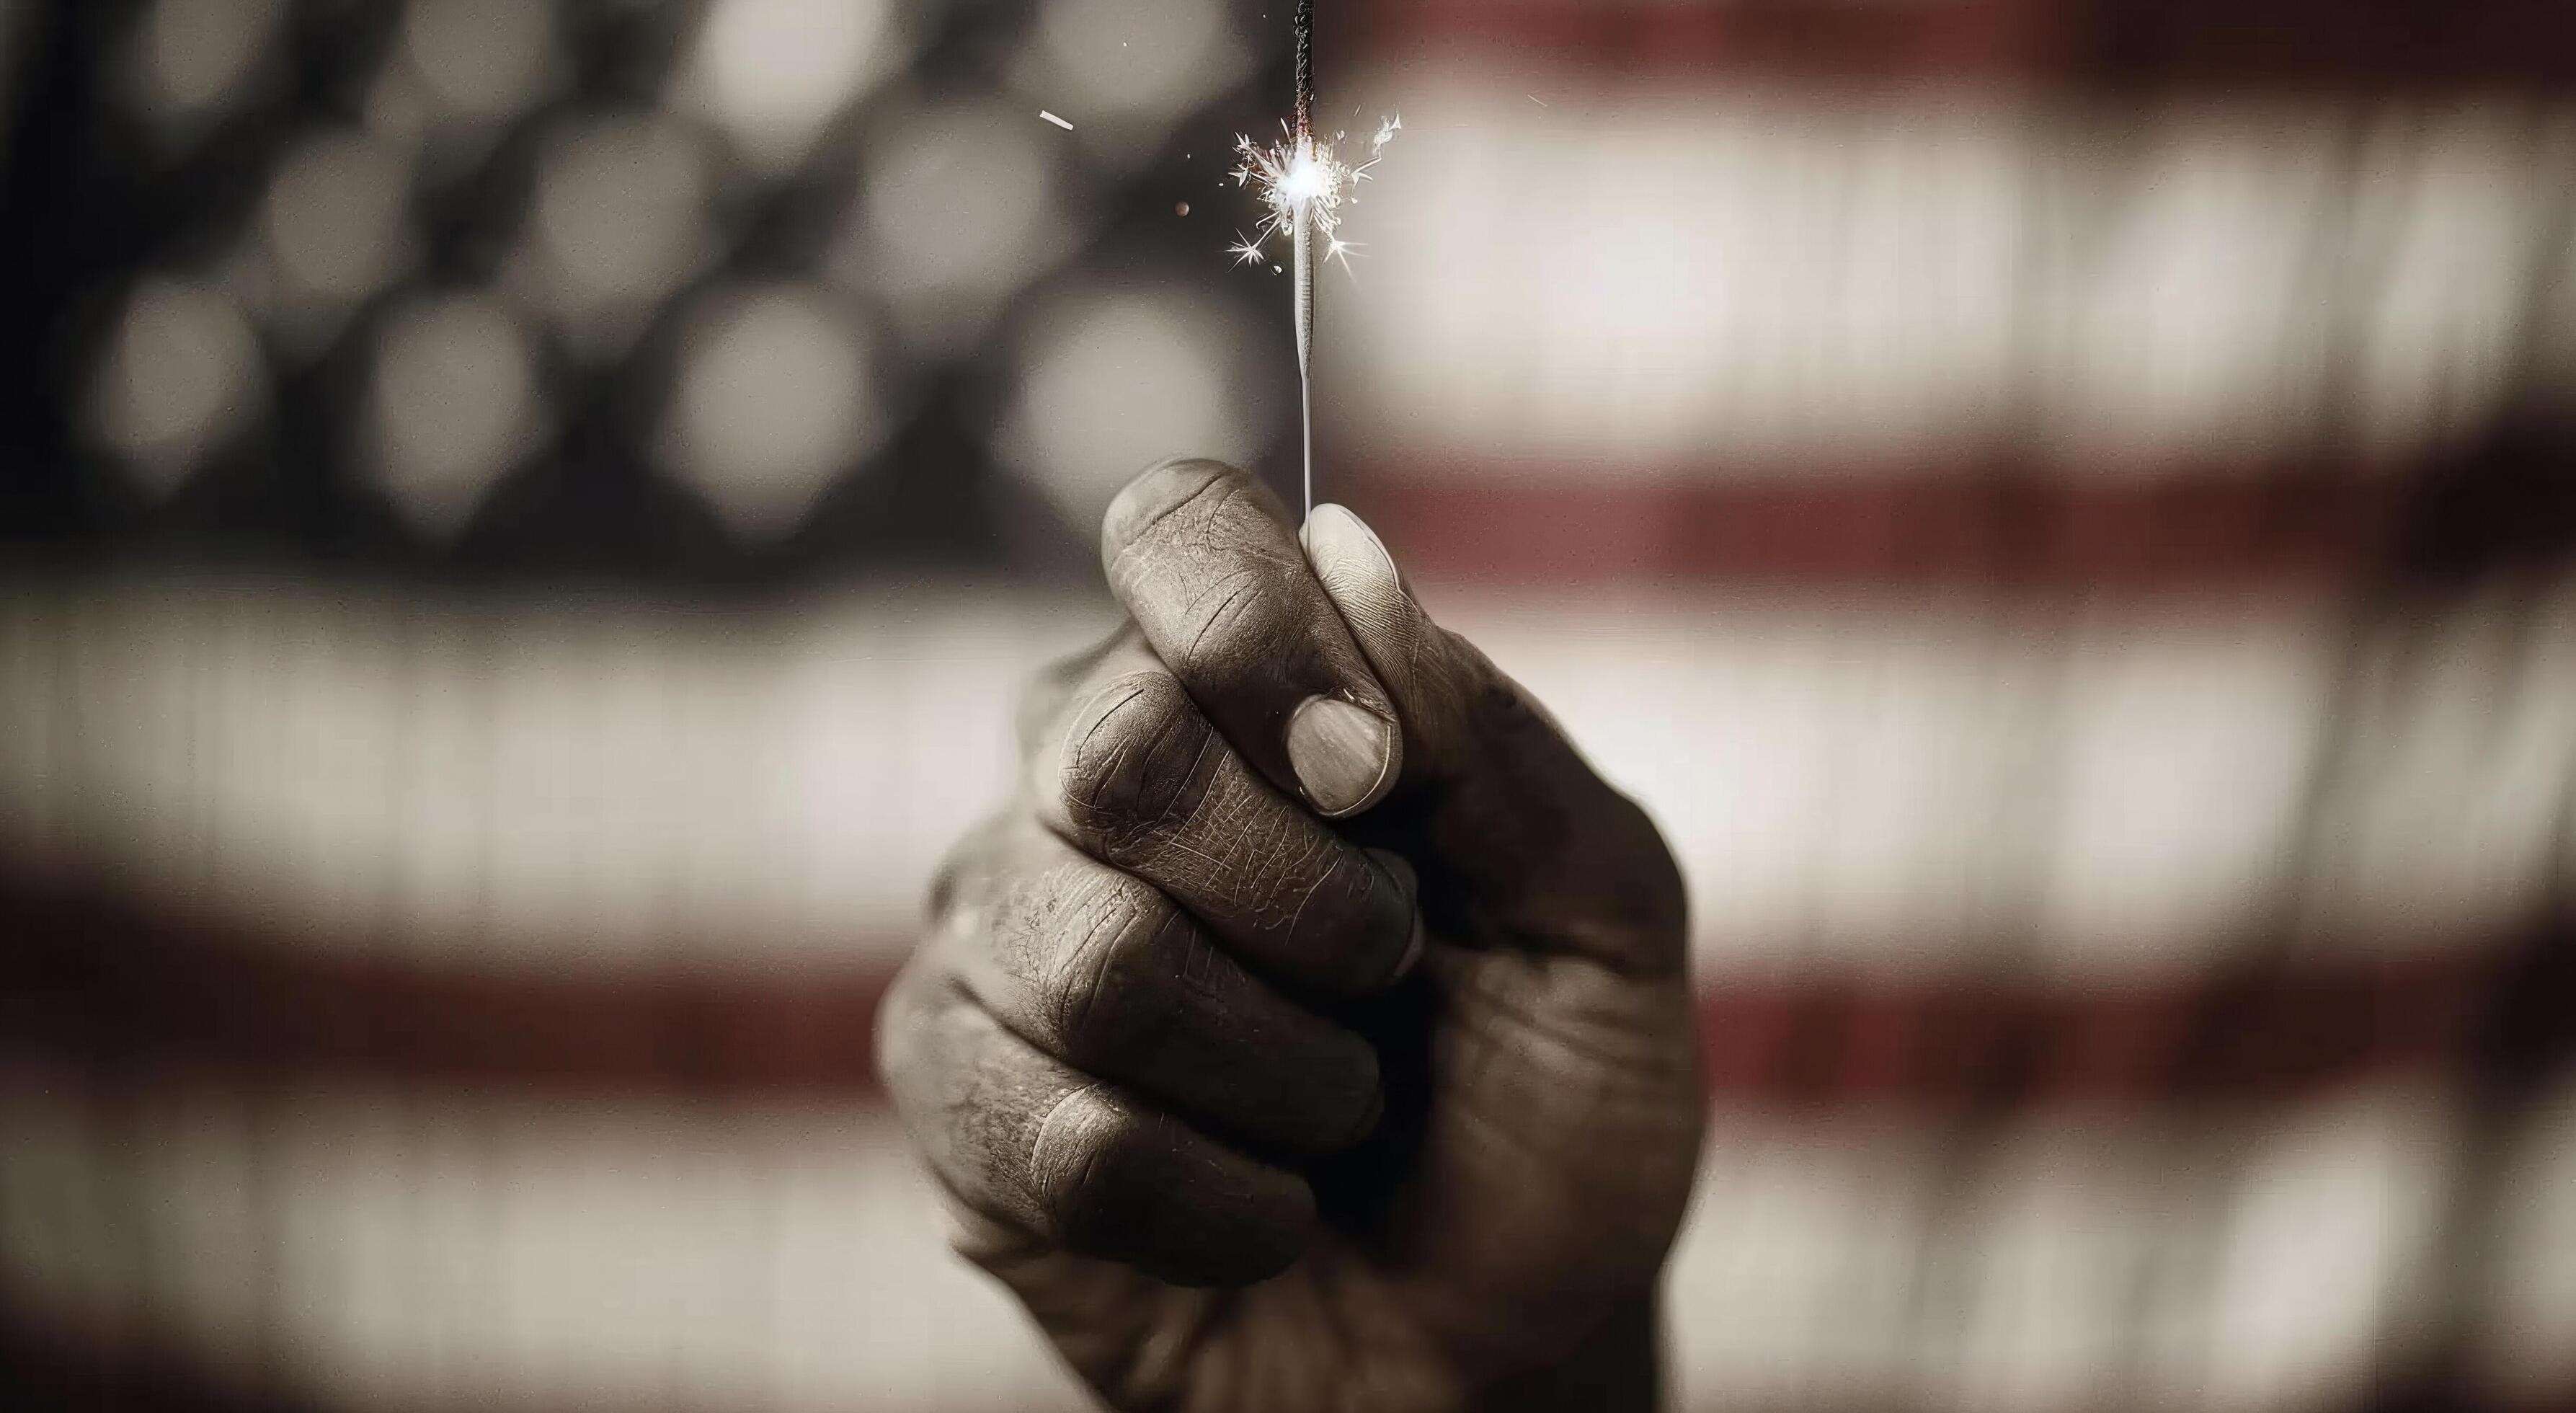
x: 776, y: 400
x: 453, y: 403
x: 961, y: 210
x: 1111, y: 382
x: 182, y: 372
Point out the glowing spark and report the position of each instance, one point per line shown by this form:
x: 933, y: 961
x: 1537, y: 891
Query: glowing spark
x: 1052, y: 118
x: 1303, y: 177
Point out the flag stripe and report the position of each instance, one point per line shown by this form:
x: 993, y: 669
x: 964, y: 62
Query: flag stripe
x: 370, y: 1247
x: 2005, y: 529
x: 1927, y: 784
x: 1654, y: 280
x: 91, y: 977
x: 356, y: 1245
x: 2119, y: 46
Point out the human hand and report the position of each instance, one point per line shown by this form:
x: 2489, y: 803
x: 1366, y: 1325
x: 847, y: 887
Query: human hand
x: 1314, y: 1031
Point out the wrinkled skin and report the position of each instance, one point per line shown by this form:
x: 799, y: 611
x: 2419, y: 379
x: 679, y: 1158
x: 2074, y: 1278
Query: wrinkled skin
x: 1259, y: 1110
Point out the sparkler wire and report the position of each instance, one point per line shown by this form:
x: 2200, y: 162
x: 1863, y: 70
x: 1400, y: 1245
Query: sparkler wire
x: 1305, y: 30
x: 1302, y: 246
x: 1302, y: 239
x: 1303, y: 185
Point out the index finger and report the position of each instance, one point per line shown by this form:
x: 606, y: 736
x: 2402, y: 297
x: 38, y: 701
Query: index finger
x: 1207, y: 564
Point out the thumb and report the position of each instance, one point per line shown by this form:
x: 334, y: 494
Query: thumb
x: 1510, y: 828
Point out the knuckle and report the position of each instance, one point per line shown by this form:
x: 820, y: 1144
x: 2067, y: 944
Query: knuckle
x: 1166, y: 491
x: 898, y: 1031
x: 1363, y: 919
x: 1082, y: 1158
x: 1136, y: 764
x: 970, y: 867
x: 1645, y: 897
x: 1054, y: 687
x: 1115, y: 976
x: 1355, y: 1101
x: 1233, y: 628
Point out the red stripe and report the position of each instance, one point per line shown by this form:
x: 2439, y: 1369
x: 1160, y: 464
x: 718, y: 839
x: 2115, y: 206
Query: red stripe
x: 1802, y: 38
x: 1570, y: 529
x: 2333, y: 45
x: 107, y: 980
x: 2505, y: 502
x: 1940, y: 1046
x: 41, y: 1369
x: 100, y: 981
x: 2343, y: 45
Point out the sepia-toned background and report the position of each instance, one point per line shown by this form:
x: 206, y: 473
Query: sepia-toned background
x: 520, y: 521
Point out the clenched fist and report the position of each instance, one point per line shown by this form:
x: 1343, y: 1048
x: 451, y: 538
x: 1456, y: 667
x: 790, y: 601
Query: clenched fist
x: 1313, y: 1032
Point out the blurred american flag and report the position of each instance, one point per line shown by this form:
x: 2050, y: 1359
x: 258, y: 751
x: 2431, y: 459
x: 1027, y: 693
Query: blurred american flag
x: 525, y: 518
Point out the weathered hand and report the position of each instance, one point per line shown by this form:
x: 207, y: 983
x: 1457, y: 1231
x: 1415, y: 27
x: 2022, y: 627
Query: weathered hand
x: 1260, y: 1112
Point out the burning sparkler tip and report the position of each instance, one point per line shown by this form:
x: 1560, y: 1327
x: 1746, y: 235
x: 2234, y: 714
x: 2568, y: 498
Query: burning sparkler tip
x: 1301, y: 179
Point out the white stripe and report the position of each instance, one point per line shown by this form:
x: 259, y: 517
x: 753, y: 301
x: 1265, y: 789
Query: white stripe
x: 1908, y: 785
x: 2196, y: 1261
x: 516, y: 786
x: 2529, y: 1350
x: 2102, y: 793
x: 1731, y: 278
x: 382, y: 1249
x: 433, y: 1249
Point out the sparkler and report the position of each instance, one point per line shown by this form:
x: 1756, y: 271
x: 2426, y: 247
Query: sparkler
x: 1303, y: 187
